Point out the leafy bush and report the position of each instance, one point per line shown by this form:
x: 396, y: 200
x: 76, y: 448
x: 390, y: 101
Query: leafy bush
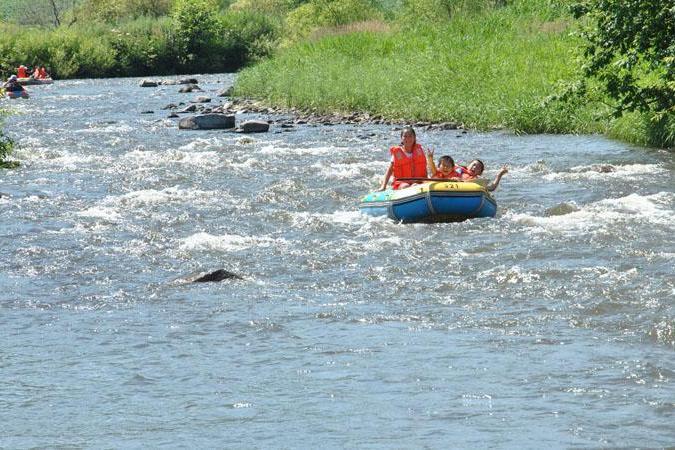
x: 196, y: 28
x: 629, y: 50
x: 256, y: 34
x: 6, y: 146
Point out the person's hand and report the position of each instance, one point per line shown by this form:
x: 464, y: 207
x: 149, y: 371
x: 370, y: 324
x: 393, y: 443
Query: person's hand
x: 504, y: 170
x: 430, y: 153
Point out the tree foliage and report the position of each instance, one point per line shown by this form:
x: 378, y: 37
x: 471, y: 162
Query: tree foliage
x: 631, y: 50
x: 43, y: 13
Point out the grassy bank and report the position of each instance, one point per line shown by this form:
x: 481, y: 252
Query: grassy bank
x: 485, y: 69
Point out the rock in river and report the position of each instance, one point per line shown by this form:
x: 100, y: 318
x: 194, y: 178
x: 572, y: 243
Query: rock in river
x: 254, y: 126
x: 207, y: 122
x: 148, y: 83
x: 218, y: 275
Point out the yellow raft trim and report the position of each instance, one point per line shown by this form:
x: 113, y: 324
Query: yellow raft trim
x: 439, y: 186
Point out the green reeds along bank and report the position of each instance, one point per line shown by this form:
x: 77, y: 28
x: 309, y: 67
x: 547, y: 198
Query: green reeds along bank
x: 485, y: 70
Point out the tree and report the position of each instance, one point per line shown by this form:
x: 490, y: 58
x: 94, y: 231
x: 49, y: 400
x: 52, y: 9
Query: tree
x: 630, y: 49
x: 41, y: 12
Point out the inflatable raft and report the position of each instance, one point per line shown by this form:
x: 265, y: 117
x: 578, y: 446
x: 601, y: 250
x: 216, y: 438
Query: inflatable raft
x: 432, y: 201
x: 15, y: 94
x: 34, y: 81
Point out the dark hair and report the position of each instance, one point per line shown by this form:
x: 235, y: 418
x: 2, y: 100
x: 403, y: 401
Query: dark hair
x: 482, y: 166
x: 408, y: 130
x: 447, y: 160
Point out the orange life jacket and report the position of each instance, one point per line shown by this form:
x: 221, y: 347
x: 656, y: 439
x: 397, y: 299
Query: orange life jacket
x: 43, y: 73
x: 451, y: 174
x: 21, y: 72
x: 409, y: 167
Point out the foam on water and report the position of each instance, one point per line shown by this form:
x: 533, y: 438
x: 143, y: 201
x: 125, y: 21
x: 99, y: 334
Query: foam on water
x: 101, y: 212
x: 172, y: 194
x: 632, y: 208
x: 344, y: 171
x: 144, y: 158
x: 228, y: 242
x: 282, y: 150
x: 594, y: 172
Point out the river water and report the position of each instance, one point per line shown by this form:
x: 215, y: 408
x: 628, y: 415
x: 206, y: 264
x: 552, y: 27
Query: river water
x: 550, y: 325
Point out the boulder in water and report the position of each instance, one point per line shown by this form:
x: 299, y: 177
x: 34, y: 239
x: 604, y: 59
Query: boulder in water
x: 188, y: 81
x: 148, y: 83
x: 202, y: 99
x: 218, y: 275
x: 225, y: 92
x: 207, y: 122
x: 254, y: 126
x: 189, y: 88
x: 187, y: 109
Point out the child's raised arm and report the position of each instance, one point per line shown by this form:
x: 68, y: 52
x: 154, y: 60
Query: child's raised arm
x: 431, y: 167
x: 492, y: 186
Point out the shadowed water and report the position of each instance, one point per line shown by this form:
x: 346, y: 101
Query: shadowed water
x: 550, y: 325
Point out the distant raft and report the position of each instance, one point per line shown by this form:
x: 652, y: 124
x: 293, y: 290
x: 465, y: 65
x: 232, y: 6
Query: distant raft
x: 434, y: 201
x: 34, y: 81
x: 13, y: 94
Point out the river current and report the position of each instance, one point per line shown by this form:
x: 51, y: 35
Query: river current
x: 551, y: 325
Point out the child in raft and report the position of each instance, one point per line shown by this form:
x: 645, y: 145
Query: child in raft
x: 446, y: 167
x: 475, y: 169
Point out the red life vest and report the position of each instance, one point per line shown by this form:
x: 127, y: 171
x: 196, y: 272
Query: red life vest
x: 464, y: 173
x: 21, y: 72
x: 43, y: 73
x: 408, y: 167
x: 451, y: 174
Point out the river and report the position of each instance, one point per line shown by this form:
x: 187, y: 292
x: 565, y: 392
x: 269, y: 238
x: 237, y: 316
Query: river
x: 551, y: 325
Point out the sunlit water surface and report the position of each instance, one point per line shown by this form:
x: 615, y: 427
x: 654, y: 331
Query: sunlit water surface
x: 552, y: 325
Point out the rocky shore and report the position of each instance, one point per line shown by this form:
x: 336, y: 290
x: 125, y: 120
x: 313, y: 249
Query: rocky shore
x: 284, y: 119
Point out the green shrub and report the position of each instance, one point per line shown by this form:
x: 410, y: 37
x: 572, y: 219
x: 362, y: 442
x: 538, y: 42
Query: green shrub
x: 197, y: 29
x: 6, y: 146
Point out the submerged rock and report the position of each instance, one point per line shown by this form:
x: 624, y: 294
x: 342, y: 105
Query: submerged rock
x: 207, y: 122
x: 201, y: 99
x: 218, y: 275
x: 189, y: 88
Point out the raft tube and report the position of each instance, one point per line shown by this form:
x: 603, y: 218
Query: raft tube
x: 436, y: 201
x: 16, y: 94
x: 34, y: 81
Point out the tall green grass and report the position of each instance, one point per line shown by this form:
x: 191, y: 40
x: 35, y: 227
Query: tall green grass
x: 486, y: 69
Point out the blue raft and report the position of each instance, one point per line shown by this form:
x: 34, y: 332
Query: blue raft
x: 436, y: 201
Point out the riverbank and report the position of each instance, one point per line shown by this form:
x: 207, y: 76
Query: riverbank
x: 500, y: 69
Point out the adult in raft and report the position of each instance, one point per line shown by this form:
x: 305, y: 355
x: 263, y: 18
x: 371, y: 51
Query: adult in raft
x: 407, y: 161
x: 12, y: 84
x: 22, y: 71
